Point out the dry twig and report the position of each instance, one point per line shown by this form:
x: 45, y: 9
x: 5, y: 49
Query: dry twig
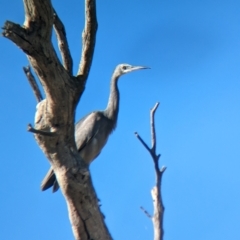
x: 44, y: 133
x: 32, y: 81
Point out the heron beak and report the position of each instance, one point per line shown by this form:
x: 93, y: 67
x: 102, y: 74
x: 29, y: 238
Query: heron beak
x: 138, y: 68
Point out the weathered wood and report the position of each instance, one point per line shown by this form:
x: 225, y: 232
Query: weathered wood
x: 54, y: 119
x: 63, y: 43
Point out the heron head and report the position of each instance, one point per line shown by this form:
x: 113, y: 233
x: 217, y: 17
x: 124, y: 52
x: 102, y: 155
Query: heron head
x: 126, y: 68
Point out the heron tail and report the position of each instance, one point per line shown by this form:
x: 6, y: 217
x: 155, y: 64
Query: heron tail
x: 50, y: 181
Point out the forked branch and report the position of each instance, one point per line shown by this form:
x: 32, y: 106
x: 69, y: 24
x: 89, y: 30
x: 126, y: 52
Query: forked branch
x: 157, y: 217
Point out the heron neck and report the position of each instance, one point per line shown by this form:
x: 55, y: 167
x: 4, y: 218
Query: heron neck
x: 113, y: 102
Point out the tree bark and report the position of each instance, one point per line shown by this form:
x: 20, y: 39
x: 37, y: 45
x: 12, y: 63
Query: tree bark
x: 55, y: 115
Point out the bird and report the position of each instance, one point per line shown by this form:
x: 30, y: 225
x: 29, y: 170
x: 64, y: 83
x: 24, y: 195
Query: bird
x: 93, y: 130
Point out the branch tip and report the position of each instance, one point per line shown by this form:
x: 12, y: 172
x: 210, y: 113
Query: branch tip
x: 146, y: 212
x: 155, y: 107
x: 143, y: 142
x: 163, y: 168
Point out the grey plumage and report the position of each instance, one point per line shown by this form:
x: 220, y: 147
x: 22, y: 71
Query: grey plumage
x: 93, y: 130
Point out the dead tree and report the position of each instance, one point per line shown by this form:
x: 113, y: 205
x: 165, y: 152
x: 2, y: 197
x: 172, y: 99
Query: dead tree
x: 158, y: 207
x: 54, y: 119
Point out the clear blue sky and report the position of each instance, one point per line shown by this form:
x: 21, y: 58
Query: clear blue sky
x: 193, y: 48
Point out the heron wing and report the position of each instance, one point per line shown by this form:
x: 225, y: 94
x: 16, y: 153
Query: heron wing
x: 87, y: 128
x: 91, y: 135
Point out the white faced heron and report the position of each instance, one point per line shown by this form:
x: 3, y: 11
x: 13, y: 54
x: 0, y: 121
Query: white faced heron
x: 92, y: 131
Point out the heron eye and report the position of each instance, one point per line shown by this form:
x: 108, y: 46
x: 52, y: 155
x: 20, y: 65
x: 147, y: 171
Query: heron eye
x: 124, y: 67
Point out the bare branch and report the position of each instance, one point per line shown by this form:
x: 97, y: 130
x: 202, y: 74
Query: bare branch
x: 146, y: 212
x: 18, y: 35
x: 34, y: 38
x: 142, y: 141
x: 162, y: 170
x: 152, y: 123
x: 88, y: 39
x: 33, y: 130
x: 63, y: 43
x: 33, y: 83
x: 156, y: 191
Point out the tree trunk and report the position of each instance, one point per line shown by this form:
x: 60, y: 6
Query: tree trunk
x: 55, y: 115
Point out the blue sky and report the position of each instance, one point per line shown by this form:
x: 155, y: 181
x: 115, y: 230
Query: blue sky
x: 193, y: 49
